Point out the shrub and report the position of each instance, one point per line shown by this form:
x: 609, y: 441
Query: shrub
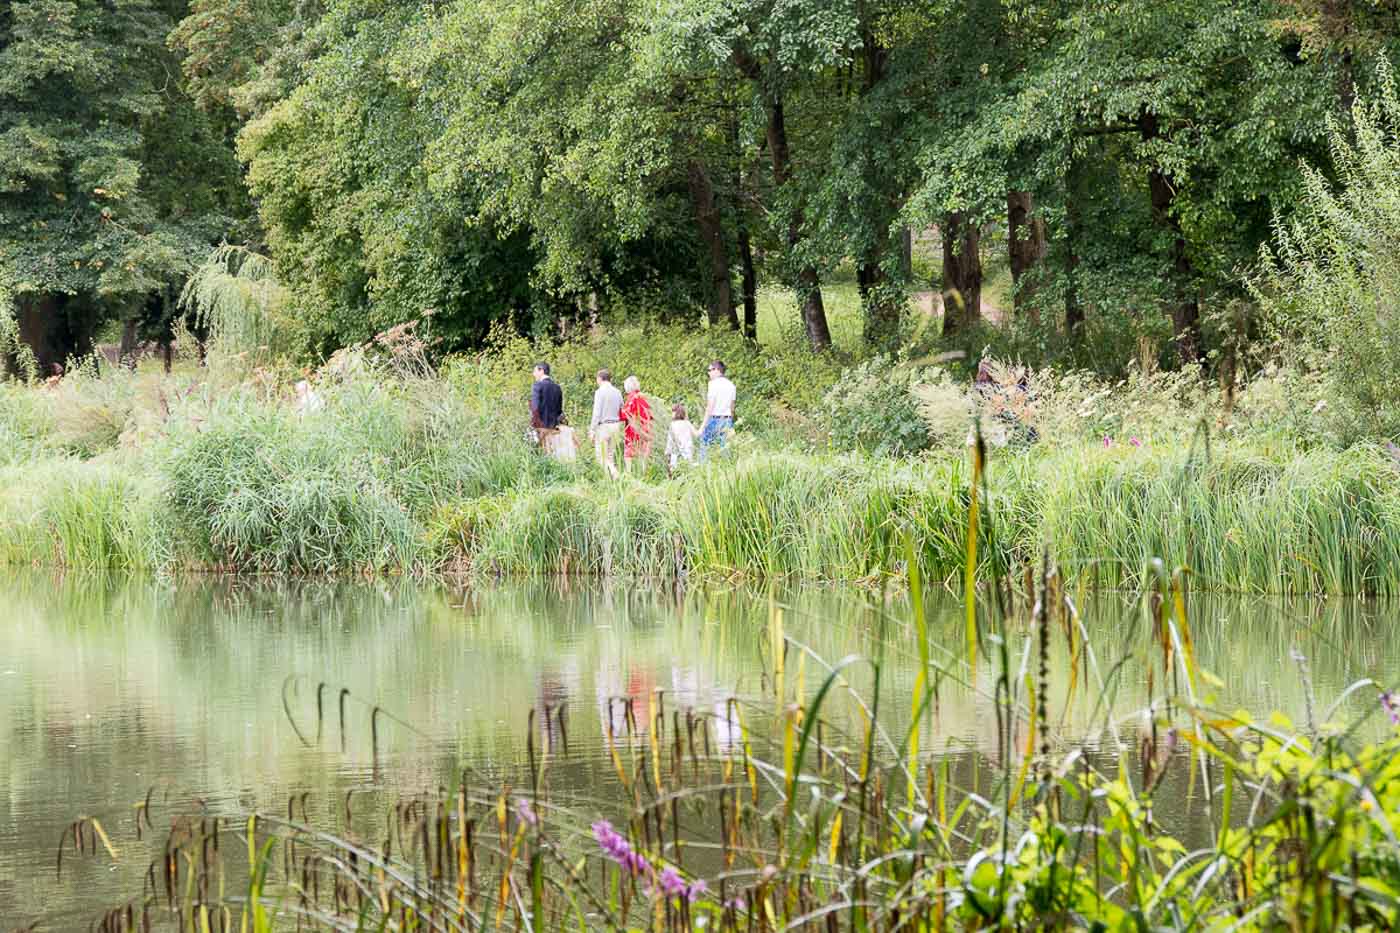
x: 1331, y: 286
x: 873, y: 408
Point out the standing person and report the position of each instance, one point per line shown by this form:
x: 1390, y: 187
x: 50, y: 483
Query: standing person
x: 636, y: 413
x: 606, y: 425
x: 719, y: 409
x: 680, y: 439
x: 546, y: 405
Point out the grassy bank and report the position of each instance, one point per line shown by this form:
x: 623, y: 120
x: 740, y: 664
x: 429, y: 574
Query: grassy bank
x: 434, y: 473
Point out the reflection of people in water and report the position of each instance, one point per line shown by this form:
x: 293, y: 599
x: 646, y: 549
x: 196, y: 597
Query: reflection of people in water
x: 728, y: 736
x: 613, y: 695
x: 553, y: 696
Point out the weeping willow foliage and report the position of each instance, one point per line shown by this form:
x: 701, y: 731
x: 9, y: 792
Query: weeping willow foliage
x: 1331, y: 284
x: 13, y: 351
x: 237, y: 296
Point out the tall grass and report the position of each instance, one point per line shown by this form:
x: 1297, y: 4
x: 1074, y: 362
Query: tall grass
x: 71, y: 513
x: 1314, y: 521
x: 350, y: 487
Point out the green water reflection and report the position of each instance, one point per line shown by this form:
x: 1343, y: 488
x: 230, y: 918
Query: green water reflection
x: 113, y: 685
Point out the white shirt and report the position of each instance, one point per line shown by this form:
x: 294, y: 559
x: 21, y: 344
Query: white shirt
x: 680, y: 441
x: 721, y: 397
x: 607, y: 405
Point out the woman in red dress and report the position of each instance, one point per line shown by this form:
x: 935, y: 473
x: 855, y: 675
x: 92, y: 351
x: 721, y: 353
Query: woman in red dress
x: 636, y: 416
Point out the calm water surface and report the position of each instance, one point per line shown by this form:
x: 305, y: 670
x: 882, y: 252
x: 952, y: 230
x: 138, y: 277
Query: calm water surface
x: 111, y: 686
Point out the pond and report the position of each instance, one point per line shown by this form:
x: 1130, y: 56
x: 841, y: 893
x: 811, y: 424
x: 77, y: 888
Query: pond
x: 116, y: 690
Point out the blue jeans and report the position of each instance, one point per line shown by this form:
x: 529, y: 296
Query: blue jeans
x: 716, y: 431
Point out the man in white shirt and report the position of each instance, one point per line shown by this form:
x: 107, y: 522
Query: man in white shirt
x: 606, y: 426
x: 719, y: 409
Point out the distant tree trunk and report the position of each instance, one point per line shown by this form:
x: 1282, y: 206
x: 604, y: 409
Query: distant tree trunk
x: 880, y: 299
x: 962, y: 273
x: 56, y: 329
x: 749, y: 282
x: 1027, y: 245
x: 126, y: 350
x: 707, y: 218
x: 748, y: 279
x: 1185, y: 309
x: 906, y: 252
x: 807, y: 283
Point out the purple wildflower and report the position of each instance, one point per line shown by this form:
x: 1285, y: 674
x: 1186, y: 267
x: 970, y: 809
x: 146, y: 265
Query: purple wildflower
x: 618, y: 849
x: 1391, y: 704
x: 735, y: 903
x: 672, y: 884
x: 526, y: 812
x: 1135, y: 442
x: 1107, y: 441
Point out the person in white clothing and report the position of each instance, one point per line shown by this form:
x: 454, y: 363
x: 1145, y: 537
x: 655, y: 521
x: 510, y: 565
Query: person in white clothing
x: 719, y: 409
x: 680, y: 439
x: 606, y: 426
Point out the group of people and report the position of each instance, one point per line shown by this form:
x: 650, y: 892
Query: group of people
x: 628, y: 417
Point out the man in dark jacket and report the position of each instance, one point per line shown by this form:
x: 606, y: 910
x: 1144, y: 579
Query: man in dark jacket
x: 546, y: 405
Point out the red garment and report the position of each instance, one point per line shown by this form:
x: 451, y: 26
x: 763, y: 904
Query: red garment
x: 636, y: 435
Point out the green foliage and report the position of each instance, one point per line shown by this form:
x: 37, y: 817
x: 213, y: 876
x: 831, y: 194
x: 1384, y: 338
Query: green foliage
x: 1240, y: 518
x: 69, y: 513
x: 874, y: 408
x: 361, y: 240
x: 111, y: 183
x: 1331, y: 284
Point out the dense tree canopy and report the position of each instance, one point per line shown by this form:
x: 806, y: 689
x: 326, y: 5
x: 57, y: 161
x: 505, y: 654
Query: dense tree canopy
x: 112, y: 183
x: 533, y: 160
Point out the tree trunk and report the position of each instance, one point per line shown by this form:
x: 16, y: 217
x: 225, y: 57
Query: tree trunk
x: 882, y: 295
x: 962, y: 273
x: 1027, y: 245
x: 126, y: 350
x: 807, y: 283
x: 880, y: 299
x: 707, y: 218
x: 56, y: 329
x: 749, y: 282
x: 1185, y: 309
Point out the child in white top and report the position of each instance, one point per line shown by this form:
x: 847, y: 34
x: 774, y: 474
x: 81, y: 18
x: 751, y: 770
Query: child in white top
x: 680, y: 439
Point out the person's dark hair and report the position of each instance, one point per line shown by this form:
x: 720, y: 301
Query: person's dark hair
x: 542, y: 367
x: 605, y: 375
x: 718, y: 364
x: 678, y: 412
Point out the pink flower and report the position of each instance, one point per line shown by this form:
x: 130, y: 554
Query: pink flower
x: 1107, y: 441
x: 1135, y: 442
